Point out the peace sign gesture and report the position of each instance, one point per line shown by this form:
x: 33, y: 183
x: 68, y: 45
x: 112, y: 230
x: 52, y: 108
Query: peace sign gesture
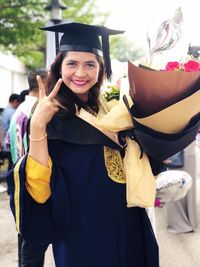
x: 47, y: 105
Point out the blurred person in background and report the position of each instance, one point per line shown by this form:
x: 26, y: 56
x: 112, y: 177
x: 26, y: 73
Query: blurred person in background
x: 182, y: 214
x: 1, y: 133
x: 17, y: 144
x: 16, y: 141
x: 198, y: 139
x: 8, y: 113
x: 2, y: 188
x: 23, y: 94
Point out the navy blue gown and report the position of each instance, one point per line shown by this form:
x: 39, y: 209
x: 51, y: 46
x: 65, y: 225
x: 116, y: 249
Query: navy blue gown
x: 86, y: 217
x: 103, y: 232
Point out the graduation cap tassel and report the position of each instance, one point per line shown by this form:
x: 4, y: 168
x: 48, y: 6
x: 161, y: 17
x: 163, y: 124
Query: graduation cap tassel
x: 106, y: 55
x: 57, y: 42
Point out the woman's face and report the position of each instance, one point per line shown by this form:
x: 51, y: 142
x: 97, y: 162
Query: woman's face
x: 80, y: 71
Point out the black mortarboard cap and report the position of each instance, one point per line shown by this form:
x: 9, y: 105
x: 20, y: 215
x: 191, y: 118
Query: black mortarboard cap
x: 84, y: 37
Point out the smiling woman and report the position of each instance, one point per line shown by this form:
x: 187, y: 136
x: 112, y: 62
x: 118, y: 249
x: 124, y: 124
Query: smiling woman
x: 70, y: 190
x: 80, y: 75
x: 84, y: 186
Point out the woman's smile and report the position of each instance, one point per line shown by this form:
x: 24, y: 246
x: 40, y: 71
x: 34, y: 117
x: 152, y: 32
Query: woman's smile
x: 80, y: 82
x: 80, y: 71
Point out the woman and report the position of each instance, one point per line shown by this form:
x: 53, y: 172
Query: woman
x: 72, y: 184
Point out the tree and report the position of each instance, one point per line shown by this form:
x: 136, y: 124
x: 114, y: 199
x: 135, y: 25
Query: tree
x: 123, y: 49
x: 20, y: 20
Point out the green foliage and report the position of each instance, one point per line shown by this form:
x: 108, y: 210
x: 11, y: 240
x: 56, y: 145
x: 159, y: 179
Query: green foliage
x: 123, y: 49
x: 20, y: 21
x: 113, y: 92
x: 84, y: 11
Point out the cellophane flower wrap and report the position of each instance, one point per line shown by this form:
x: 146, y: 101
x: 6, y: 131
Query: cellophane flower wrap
x: 161, y: 96
x: 173, y: 185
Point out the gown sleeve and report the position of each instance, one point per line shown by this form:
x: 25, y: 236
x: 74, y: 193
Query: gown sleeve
x: 39, y: 223
x: 38, y: 180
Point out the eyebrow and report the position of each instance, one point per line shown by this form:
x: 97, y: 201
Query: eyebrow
x: 89, y: 61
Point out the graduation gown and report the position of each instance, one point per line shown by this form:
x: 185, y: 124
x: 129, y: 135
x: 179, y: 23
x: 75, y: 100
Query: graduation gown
x: 86, y: 217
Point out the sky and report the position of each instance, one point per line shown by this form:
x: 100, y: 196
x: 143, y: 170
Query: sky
x: 136, y: 16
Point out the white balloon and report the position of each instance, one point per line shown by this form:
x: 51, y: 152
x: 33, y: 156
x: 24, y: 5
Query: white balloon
x: 172, y: 185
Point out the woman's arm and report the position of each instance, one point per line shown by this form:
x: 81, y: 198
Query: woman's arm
x: 38, y: 167
x: 45, y: 109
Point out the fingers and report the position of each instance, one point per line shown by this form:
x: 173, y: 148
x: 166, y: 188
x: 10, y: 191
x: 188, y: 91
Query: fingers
x: 42, y: 92
x: 55, y: 89
x: 55, y: 104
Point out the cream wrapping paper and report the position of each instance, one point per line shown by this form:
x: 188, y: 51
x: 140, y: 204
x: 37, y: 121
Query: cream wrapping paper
x: 154, y: 91
x: 174, y: 118
x: 140, y: 181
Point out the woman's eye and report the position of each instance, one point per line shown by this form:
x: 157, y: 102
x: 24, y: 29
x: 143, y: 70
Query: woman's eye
x: 90, y: 65
x: 71, y: 64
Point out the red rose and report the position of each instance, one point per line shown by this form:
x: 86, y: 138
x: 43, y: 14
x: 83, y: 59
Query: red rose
x: 191, y: 65
x: 174, y: 65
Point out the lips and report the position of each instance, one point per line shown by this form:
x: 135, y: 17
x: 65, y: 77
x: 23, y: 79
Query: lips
x: 79, y: 82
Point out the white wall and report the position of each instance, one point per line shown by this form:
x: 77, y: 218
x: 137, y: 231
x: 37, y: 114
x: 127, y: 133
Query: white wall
x: 13, y: 77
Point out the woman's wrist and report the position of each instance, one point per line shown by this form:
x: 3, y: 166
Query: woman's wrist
x: 38, y: 139
x: 37, y: 131
x: 37, y: 126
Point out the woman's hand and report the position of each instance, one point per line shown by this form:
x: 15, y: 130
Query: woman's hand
x: 47, y: 106
x: 45, y: 109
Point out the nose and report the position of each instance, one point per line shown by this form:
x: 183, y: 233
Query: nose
x: 80, y: 71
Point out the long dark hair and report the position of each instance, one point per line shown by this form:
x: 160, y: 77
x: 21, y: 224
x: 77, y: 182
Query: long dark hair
x: 66, y: 97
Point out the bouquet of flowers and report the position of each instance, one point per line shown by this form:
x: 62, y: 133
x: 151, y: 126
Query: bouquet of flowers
x: 190, y: 65
x: 166, y: 110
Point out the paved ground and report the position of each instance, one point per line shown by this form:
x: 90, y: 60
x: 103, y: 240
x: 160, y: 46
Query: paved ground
x: 176, y: 250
